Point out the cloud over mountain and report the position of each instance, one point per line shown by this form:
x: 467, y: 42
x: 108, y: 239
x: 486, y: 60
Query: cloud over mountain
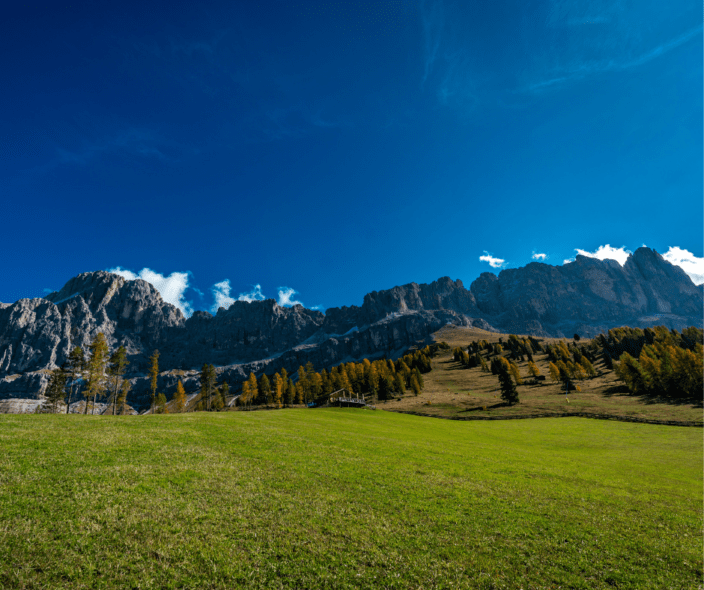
x: 171, y: 287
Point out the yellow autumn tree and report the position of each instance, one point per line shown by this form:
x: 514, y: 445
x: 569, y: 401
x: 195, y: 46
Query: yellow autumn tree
x: 278, y: 390
x: 554, y: 372
x: 533, y: 369
x: 179, y: 405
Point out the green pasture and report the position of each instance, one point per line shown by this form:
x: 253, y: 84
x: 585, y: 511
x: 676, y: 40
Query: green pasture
x: 345, y: 498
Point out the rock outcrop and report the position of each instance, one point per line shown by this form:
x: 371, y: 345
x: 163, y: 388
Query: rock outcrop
x: 587, y: 296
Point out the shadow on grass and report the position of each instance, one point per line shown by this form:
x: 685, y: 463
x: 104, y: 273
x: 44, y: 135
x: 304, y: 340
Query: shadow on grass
x: 647, y: 399
x: 491, y: 407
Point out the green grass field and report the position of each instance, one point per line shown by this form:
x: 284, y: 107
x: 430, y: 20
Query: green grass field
x: 347, y: 499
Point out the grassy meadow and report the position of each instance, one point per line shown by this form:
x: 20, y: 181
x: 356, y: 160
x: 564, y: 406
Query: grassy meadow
x: 345, y: 498
x: 452, y: 390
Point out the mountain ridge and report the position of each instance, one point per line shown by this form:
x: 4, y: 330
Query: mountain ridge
x: 587, y: 296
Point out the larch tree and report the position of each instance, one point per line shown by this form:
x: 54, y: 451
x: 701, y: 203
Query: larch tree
x: 554, y: 372
x: 98, y: 356
x: 122, y: 398
x: 253, y: 389
x: 118, y: 365
x: 160, y: 404
x: 533, y: 369
x: 513, y: 367
x: 76, y: 367
x: 224, y: 392
x: 179, y: 404
x: 415, y: 386
x: 153, y: 375
x: 207, y: 384
x: 278, y: 390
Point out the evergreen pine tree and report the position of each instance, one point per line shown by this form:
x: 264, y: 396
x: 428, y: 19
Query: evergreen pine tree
x: 56, y: 389
x: 508, y: 390
x: 264, y: 393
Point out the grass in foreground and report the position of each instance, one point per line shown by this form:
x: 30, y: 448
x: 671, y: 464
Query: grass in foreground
x: 346, y: 499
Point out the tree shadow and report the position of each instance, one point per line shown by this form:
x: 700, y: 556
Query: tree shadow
x: 491, y: 407
x: 650, y: 399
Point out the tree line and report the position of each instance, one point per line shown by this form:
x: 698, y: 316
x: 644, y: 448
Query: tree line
x: 379, y: 379
x: 95, y: 373
x: 666, y: 363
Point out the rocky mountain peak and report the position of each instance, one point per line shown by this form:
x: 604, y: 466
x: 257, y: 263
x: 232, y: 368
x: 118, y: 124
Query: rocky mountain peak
x: 92, y: 286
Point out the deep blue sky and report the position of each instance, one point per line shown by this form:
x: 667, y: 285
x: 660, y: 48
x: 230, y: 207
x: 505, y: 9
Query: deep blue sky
x: 341, y: 147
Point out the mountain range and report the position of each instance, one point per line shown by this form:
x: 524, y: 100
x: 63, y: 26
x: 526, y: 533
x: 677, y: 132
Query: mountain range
x: 587, y: 296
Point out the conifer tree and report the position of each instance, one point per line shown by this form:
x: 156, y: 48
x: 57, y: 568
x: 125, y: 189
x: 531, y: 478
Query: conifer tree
x: 509, y: 393
x: 179, y: 404
x: 533, y: 369
x: 415, y: 386
x: 224, y: 392
x: 97, y: 360
x: 419, y: 377
x: 400, y: 386
x: 289, y: 392
x: 554, y: 372
x: 122, y: 397
x: 160, y: 404
x: 278, y: 390
x: 153, y: 375
x: 56, y: 389
x: 386, y: 388
x: 245, y: 395
x: 208, y: 377
x: 513, y: 367
x: 302, y: 386
x: 218, y: 402
x: 588, y: 367
x: 76, y: 366
x: 253, y: 389
x: 264, y: 394
x: 485, y: 366
x: 118, y: 365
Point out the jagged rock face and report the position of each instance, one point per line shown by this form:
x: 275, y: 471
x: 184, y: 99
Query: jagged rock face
x: 587, y: 296
x: 245, y: 332
x: 443, y: 294
x: 39, y: 333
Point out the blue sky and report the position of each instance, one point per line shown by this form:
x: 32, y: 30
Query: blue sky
x: 322, y: 150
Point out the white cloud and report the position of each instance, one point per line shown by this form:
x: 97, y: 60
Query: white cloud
x: 689, y: 263
x: 254, y: 295
x: 538, y: 256
x: 620, y: 255
x: 493, y: 262
x: 171, y: 288
x: 285, y: 294
x: 567, y: 260
x: 221, y: 292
